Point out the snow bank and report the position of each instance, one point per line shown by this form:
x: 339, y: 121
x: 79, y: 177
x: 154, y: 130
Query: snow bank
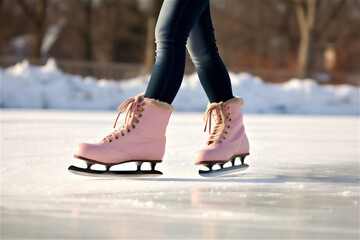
x: 26, y: 86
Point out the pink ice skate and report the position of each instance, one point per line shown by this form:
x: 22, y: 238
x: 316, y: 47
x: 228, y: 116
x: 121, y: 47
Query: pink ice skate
x: 140, y: 139
x: 227, y: 141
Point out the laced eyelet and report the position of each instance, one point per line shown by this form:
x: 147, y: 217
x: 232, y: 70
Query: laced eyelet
x: 128, y: 130
x: 109, y: 140
x: 133, y: 126
x: 122, y: 134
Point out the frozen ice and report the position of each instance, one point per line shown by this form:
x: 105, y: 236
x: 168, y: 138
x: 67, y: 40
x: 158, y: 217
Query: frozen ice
x: 302, y: 183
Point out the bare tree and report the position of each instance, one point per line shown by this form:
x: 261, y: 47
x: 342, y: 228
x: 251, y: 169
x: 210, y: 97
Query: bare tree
x: 154, y: 9
x: 37, y: 17
x: 119, y: 31
x: 306, y: 12
x: 86, y: 33
x: 84, y: 28
x: 334, y: 14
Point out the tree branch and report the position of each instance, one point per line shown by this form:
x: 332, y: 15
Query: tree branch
x: 300, y: 14
x: 27, y: 11
x: 331, y: 17
x: 311, y: 15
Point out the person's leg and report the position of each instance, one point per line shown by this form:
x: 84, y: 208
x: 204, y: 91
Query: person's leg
x: 176, y: 19
x: 211, y: 70
x: 227, y: 140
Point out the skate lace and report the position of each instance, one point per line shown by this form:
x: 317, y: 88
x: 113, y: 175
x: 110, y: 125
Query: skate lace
x: 218, y: 111
x: 134, y: 109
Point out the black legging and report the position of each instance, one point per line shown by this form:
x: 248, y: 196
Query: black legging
x: 181, y: 20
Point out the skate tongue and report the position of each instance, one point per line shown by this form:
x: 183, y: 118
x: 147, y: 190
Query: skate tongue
x: 214, y: 110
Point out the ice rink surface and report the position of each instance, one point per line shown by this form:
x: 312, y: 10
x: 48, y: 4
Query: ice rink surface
x: 303, y: 182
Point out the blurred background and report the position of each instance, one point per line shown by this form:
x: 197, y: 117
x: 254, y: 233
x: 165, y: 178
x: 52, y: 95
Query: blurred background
x: 114, y: 39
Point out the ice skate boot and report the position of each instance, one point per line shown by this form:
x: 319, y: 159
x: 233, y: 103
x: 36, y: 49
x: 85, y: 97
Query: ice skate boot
x: 226, y: 142
x: 140, y: 139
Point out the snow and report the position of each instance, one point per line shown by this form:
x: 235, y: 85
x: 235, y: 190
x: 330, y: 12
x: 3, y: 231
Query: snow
x: 302, y: 183
x: 26, y: 86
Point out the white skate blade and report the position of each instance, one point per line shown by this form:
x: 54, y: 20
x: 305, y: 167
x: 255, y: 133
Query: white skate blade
x: 228, y: 172
x: 115, y: 174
